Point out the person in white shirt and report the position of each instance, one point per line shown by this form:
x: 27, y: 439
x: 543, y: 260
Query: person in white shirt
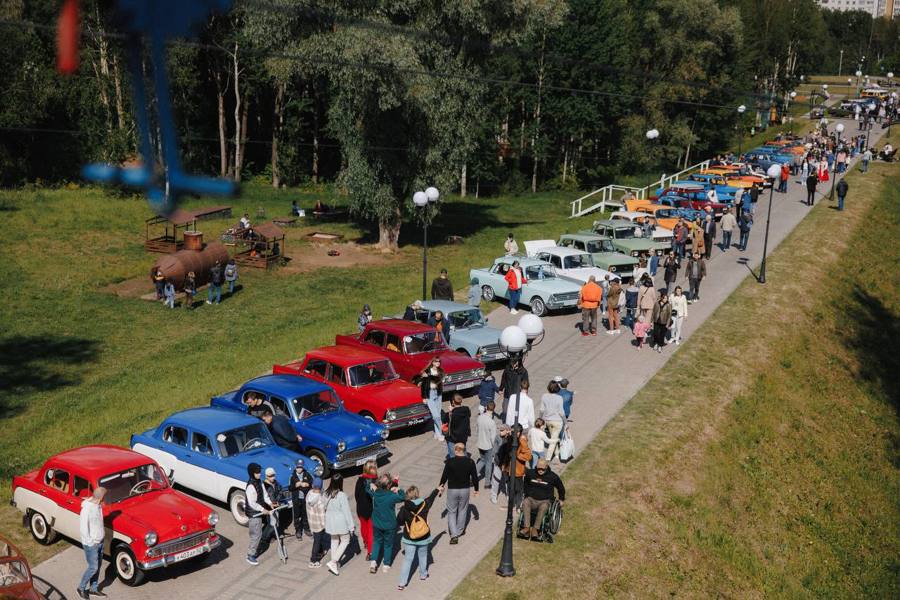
x: 257, y: 507
x: 526, y: 409
x: 92, y: 533
x: 537, y: 441
x: 679, y: 313
x: 510, y: 245
x: 245, y: 221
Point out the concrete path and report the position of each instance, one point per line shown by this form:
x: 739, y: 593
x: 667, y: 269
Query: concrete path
x: 605, y: 371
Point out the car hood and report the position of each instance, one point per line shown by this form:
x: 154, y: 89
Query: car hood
x: 615, y: 258
x: 634, y: 243
x: 552, y: 286
x: 481, y: 335
x: 353, y: 429
x: 393, y: 394
x: 451, y: 362
x: 169, y: 513
x: 582, y: 274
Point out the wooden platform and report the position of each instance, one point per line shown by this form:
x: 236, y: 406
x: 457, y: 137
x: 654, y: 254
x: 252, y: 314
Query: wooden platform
x: 285, y: 221
x: 258, y: 261
x: 163, y: 245
x: 210, y: 212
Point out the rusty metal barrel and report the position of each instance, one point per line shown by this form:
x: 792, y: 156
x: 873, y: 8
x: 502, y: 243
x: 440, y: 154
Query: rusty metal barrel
x: 176, y: 266
x: 193, y: 240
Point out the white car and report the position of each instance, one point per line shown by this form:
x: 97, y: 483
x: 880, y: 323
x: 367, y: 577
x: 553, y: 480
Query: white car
x: 569, y: 263
x: 660, y: 234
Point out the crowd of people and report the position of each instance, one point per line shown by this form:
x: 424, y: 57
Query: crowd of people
x: 219, y: 275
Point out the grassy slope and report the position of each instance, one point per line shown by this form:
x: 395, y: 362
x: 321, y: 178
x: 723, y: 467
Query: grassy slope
x: 771, y: 470
x: 79, y: 366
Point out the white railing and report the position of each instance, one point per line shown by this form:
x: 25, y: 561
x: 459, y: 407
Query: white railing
x: 610, y: 195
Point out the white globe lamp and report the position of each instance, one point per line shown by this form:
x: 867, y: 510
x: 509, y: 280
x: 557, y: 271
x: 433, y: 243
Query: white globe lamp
x: 532, y: 325
x: 432, y: 194
x: 420, y: 199
x: 513, y: 339
x: 774, y: 171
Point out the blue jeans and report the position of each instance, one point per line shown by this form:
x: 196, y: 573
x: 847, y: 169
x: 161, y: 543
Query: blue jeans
x: 840, y: 202
x: 410, y: 552
x: 217, y: 290
x: 231, y: 286
x: 865, y: 166
x: 745, y: 237
x: 535, y: 456
x: 93, y: 555
x: 726, y: 240
x: 434, y: 405
x: 514, y: 296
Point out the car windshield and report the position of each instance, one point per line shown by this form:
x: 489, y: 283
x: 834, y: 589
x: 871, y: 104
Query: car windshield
x: 12, y: 573
x: 133, y: 482
x: 243, y: 439
x: 425, y: 341
x: 372, y: 372
x: 577, y: 261
x: 538, y: 272
x: 600, y: 246
x: 317, y: 403
x: 624, y: 233
x: 466, y: 318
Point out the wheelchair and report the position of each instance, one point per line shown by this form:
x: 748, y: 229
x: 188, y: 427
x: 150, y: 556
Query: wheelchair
x: 548, y: 527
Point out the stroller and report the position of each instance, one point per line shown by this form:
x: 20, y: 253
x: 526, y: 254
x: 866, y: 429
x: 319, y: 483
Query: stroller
x: 631, y: 302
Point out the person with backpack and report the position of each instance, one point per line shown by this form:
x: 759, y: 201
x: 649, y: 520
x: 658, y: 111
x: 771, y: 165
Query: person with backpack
x: 459, y: 475
x: 231, y: 275
x: 384, y: 521
x: 416, y: 538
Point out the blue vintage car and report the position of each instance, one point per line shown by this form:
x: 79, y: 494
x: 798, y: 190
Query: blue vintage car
x: 332, y: 436
x: 543, y: 291
x: 207, y: 451
x: 469, y: 332
x: 726, y: 193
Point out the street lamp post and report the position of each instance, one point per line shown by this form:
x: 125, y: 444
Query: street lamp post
x: 741, y: 110
x: 858, y: 75
x: 421, y: 200
x: 838, y: 130
x: 841, y: 62
x: 652, y: 135
x: 849, y: 83
x: 793, y: 96
x: 516, y: 340
x: 775, y: 173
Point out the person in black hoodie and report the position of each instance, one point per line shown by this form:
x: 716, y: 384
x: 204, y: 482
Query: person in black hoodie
x: 282, y: 431
x: 539, y: 485
x: 511, y: 382
x: 459, y: 476
x: 300, y: 484
x: 413, y: 518
x: 364, y: 503
x: 459, y: 427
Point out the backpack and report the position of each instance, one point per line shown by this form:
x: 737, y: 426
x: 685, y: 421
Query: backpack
x: 417, y: 528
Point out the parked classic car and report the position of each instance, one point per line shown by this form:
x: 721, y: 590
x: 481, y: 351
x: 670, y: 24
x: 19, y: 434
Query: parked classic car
x: 720, y: 182
x: 542, y: 290
x: 366, y: 382
x: 741, y: 172
x: 469, y: 331
x: 207, y: 450
x: 624, y: 238
x: 332, y: 436
x: 149, y: 525
x: 693, y: 200
x: 410, y: 346
x: 15, y: 574
x: 725, y: 193
x: 637, y: 218
x: 668, y: 216
x: 569, y: 263
x: 602, y: 251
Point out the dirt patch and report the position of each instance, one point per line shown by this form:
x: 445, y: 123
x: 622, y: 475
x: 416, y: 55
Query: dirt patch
x: 315, y: 256
x: 130, y: 288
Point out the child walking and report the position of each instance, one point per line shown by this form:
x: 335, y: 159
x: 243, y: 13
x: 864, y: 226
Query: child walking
x: 641, y: 328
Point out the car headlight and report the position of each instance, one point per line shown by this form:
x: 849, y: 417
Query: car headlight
x: 319, y: 469
x: 385, y: 433
x: 390, y: 415
x: 150, y: 538
x: 341, y: 446
x: 446, y: 379
x: 480, y: 372
x: 612, y: 268
x: 213, y: 518
x: 635, y: 253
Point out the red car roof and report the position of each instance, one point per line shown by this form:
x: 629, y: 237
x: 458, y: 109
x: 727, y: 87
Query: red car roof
x: 400, y: 326
x: 345, y: 356
x: 98, y: 461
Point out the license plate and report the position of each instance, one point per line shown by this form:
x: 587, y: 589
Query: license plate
x: 363, y: 461
x: 416, y: 421
x: 189, y: 553
x: 467, y: 385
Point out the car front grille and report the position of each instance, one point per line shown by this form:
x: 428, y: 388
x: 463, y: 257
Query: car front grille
x: 491, y: 349
x: 179, y: 545
x: 461, y: 376
x: 358, y: 453
x: 410, y: 411
x: 566, y: 297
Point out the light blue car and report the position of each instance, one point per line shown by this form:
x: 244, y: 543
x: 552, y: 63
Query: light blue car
x: 469, y: 332
x: 543, y: 291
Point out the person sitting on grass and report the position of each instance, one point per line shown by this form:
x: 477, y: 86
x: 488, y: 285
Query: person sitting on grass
x: 540, y: 483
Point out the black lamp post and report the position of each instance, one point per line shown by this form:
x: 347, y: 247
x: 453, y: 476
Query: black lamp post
x: 652, y: 135
x: 421, y: 200
x: 740, y: 110
x: 517, y: 340
x: 838, y: 130
x: 775, y: 173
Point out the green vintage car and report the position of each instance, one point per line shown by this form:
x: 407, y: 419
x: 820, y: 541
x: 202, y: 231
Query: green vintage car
x: 602, y: 250
x: 625, y: 239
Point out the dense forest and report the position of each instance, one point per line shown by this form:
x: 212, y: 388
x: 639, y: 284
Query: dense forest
x: 385, y: 96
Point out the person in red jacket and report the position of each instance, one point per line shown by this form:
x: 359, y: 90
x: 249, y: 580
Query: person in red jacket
x: 515, y: 279
x: 364, y: 503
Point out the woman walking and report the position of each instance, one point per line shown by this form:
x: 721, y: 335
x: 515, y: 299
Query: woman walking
x: 662, y: 315
x: 679, y: 313
x: 459, y: 476
x: 338, y: 521
x: 384, y: 521
x: 670, y: 268
x: 364, y: 503
x: 554, y: 415
x: 416, y: 539
x: 430, y: 381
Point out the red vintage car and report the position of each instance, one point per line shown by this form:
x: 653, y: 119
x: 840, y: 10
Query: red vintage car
x: 366, y: 382
x: 15, y: 575
x: 149, y: 525
x: 410, y: 346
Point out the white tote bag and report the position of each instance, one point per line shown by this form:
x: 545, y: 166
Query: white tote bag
x: 566, y: 447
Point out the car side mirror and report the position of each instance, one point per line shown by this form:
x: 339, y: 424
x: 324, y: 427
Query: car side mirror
x: 171, y: 475
x: 486, y: 319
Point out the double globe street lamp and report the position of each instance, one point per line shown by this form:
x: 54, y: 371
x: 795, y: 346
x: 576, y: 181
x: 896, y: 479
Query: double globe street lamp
x: 741, y: 110
x: 516, y: 341
x: 421, y: 201
x: 774, y: 172
x: 838, y: 130
x: 652, y: 135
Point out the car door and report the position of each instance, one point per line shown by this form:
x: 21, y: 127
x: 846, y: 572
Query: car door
x: 199, y: 468
x: 59, y: 485
x: 498, y: 280
x: 175, y: 443
x: 316, y: 368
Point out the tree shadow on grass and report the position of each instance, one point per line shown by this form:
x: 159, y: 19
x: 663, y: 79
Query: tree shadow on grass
x: 876, y: 342
x: 38, y: 364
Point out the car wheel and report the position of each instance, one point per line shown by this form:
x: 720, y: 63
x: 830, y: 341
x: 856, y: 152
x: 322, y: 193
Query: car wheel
x: 41, y: 531
x: 126, y: 566
x: 538, y: 307
x: 367, y: 415
x: 237, y: 503
x: 320, y: 458
x: 487, y: 292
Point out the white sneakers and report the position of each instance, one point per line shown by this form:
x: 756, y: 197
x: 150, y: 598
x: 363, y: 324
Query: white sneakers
x: 332, y: 566
x: 513, y: 311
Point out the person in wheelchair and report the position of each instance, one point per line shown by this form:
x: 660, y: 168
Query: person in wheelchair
x: 539, y: 485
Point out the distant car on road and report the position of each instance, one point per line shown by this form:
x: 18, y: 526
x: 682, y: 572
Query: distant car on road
x: 149, y: 525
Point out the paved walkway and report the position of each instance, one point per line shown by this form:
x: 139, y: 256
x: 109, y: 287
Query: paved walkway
x: 605, y: 371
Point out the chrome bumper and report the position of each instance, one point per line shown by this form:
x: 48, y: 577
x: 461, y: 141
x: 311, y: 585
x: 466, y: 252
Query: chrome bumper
x: 465, y: 384
x: 165, y: 561
x: 346, y: 464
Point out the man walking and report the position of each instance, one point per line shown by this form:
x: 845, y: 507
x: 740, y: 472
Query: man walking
x: 441, y: 288
x: 866, y: 157
x: 215, y: 284
x: 696, y: 271
x: 811, y: 182
x: 589, y: 299
x: 458, y: 476
x: 709, y: 234
x: 486, y: 431
x: 612, y: 306
x: 92, y: 534
x: 842, y: 188
x: 745, y: 225
x: 728, y: 224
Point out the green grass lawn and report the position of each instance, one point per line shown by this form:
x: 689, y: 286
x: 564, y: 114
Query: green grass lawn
x: 761, y: 461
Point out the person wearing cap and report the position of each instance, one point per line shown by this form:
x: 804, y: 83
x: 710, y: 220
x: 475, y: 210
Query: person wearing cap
x: 441, y: 288
x: 300, y: 484
x: 315, y: 510
x: 257, y: 506
x: 365, y: 317
x: 540, y: 483
x: 274, y: 490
